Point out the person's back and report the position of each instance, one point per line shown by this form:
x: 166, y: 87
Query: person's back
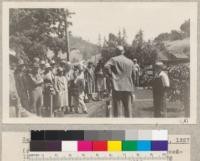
x: 122, y: 69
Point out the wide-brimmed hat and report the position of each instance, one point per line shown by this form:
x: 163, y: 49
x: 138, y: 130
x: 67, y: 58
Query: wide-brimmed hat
x: 60, y: 69
x: 47, y: 65
x: 21, y: 62
x: 42, y: 62
x: 53, y: 62
x: 36, y: 59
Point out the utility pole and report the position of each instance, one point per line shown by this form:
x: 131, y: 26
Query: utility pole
x: 67, y: 23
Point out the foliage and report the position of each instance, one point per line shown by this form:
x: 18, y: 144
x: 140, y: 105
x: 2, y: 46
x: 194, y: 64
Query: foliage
x: 179, y: 82
x: 32, y: 31
x: 175, y: 34
x: 185, y: 28
x: 143, y: 51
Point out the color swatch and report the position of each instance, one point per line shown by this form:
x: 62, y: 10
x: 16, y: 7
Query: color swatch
x: 99, y: 140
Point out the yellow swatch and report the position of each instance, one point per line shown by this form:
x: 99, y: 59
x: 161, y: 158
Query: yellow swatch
x: 114, y: 146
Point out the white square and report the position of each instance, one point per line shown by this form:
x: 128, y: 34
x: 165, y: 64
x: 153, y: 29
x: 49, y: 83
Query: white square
x: 70, y: 146
x: 159, y: 135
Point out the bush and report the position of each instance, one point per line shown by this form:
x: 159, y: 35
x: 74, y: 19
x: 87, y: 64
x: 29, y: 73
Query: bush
x: 179, y: 76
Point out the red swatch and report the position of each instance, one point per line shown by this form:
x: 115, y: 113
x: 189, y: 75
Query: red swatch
x: 99, y: 145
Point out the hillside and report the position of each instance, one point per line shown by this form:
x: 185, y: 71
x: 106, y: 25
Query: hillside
x: 86, y: 48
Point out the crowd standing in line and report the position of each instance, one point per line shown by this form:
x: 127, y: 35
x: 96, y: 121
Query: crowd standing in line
x: 65, y: 87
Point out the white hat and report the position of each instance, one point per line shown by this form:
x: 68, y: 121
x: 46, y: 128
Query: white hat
x: 47, y: 65
x: 42, y: 62
x: 120, y: 48
x: 159, y: 64
x: 52, y: 62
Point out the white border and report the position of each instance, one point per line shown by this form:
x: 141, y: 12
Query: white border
x: 80, y: 120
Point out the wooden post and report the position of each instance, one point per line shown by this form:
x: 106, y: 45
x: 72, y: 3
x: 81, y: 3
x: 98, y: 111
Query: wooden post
x: 67, y: 23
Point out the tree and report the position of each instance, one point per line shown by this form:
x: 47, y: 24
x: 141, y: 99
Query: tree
x: 33, y: 31
x: 143, y: 51
x: 175, y: 35
x: 185, y: 28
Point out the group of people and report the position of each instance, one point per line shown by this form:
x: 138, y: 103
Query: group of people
x: 124, y: 75
x: 61, y: 86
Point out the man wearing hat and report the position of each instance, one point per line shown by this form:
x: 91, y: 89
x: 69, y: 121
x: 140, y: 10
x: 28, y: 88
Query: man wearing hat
x: 36, y: 89
x: 160, y: 84
x: 121, y: 70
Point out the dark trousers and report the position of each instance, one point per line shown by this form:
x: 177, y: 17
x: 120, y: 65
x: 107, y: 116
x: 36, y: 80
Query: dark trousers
x: 159, y: 101
x: 122, y: 99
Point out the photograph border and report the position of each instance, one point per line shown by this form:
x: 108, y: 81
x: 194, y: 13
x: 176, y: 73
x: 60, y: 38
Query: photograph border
x: 80, y: 120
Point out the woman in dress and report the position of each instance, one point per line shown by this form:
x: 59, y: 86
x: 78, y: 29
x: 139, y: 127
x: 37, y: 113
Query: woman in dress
x: 61, y: 91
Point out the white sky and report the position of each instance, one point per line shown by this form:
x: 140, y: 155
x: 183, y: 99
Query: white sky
x: 92, y: 19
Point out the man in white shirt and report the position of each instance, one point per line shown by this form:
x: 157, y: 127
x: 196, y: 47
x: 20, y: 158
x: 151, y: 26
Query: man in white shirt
x: 160, y: 84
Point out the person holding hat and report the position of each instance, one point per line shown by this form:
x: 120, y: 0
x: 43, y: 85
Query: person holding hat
x: 160, y: 84
x: 61, y: 91
x: 121, y: 70
x: 35, y: 87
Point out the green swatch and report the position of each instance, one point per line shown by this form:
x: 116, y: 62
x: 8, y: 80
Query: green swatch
x: 129, y: 145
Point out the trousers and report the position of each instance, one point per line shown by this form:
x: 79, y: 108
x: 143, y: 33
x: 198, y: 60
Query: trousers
x: 36, y: 100
x: 122, y: 103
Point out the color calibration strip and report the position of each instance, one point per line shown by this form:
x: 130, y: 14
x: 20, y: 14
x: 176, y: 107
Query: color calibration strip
x: 111, y: 141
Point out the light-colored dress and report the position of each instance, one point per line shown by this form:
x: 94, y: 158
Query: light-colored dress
x: 61, y: 88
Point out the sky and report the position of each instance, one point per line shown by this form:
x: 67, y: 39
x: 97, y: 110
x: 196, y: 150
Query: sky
x: 92, y: 19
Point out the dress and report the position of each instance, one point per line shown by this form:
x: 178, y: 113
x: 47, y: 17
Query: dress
x: 61, y: 88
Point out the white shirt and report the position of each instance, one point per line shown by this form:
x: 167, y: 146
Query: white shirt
x: 165, y: 79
